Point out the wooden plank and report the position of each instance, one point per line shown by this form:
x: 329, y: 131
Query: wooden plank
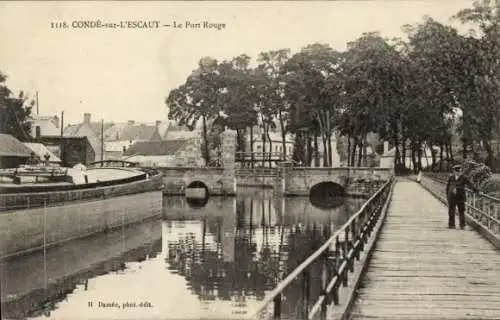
x: 420, y: 269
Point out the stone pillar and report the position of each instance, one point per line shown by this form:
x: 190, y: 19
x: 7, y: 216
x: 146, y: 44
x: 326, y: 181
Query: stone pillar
x: 228, y: 141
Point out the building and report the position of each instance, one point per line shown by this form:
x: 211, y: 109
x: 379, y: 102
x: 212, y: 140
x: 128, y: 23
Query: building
x: 71, y: 150
x: 44, y: 125
x: 174, y: 132
x: 12, y: 152
x: 164, y: 153
x: 119, y: 137
x: 90, y: 130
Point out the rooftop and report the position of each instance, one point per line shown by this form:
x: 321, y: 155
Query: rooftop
x: 156, y: 148
x: 11, y: 147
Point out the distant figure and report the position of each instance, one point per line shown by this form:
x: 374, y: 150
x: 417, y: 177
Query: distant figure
x: 46, y: 158
x: 419, y: 176
x: 33, y: 159
x: 455, y: 192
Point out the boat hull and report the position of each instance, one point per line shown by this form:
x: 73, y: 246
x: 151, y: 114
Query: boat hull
x: 28, y: 197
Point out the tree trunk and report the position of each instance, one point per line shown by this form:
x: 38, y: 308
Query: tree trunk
x: 451, y: 150
x: 309, y: 150
x: 330, y: 155
x: 325, y: 151
x: 489, y: 150
x: 360, y: 152
x: 365, y: 147
x: 263, y: 138
x: 353, y: 151
x: 348, y: 151
x: 433, y: 157
x: 427, y: 165
x: 270, y: 149
x: 419, y: 154
x: 413, y: 157
x: 441, y: 156
x: 447, y: 152
x: 403, y: 153
x: 251, y: 147
x: 283, y: 135
x: 397, y: 163
x: 316, y: 151
x: 206, y: 155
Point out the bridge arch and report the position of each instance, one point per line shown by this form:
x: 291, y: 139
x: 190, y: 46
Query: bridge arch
x: 194, y: 198
x: 327, y: 195
x: 327, y: 189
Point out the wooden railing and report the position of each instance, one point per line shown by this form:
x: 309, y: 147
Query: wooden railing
x: 483, y: 208
x: 338, y: 256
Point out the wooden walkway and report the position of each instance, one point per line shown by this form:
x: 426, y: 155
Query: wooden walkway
x: 420, y: 269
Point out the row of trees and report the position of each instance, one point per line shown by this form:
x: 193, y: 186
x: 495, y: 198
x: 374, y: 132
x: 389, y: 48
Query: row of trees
x: 14, y: 112
x: 415, y: 93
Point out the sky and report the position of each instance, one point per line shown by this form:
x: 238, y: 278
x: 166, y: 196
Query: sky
x: 125, y: 74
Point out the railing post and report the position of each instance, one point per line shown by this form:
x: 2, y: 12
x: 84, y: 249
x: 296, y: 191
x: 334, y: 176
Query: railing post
x: 344, y: 255
x: 355, y: 238
x: 305, y: 285
x: 277, y: 307
x: 324, y: 282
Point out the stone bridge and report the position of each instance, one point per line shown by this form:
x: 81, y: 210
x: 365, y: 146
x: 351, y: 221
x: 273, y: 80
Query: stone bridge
x: 299, y: 181
x: 217, y: 181
x: 288, y: 181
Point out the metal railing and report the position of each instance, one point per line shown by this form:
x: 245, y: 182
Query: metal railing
x: 337, y: 257
x: 483, y: 208
x: 261, y: 156
x: 259, y: 172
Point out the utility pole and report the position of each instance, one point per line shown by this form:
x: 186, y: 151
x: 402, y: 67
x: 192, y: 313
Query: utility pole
x: 61, y: 143
x: 37, y: 103
x: 102, y: 142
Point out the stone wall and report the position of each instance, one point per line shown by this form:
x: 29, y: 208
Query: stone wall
x: 24, y: 230
x: 218, y: 180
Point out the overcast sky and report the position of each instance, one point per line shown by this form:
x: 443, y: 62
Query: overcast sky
x: 124, y: 74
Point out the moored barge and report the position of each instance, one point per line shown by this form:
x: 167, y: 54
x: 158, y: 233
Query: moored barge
x: 42, y: 206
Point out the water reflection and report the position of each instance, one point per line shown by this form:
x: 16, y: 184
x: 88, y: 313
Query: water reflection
x: 217, y: 261
x: 238, y: 253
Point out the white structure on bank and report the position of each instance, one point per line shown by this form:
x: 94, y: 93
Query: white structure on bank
x: 387, y: 158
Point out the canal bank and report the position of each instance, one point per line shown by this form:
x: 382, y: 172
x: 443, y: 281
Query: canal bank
x: 33, y: 229
x: 219, y: 260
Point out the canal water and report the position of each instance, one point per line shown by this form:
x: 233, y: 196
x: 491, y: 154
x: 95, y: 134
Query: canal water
x: 211, y: 261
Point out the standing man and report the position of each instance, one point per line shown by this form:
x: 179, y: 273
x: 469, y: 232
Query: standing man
x: 455, y: 192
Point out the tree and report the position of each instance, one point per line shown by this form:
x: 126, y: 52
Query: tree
x: 197, y: 99
x: 314, y: 91
x: 14, y: 112
x: 272, y: 88
x: 238, y: 97
x: 374, y: 90
x: 484, y: 84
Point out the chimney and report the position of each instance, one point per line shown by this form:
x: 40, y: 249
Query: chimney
x: 131, y: 122
x: 86, y: 118
x: 37, y: 132
x: 158, y: 122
